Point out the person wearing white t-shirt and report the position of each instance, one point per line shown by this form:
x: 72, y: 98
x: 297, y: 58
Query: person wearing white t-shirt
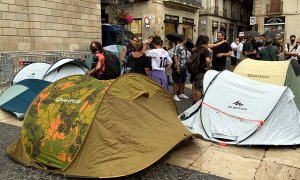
x: 239, y: 50
x: 292, y: 49
x: 233, y: 57
x: 160, y: 62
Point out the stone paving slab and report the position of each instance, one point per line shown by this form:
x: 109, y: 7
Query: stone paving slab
x: 226, y: 165
x: 246, y: 152
x: 284, y: 155
x: 186, y: 155
x: 9, y: 118
x: 270, y: 170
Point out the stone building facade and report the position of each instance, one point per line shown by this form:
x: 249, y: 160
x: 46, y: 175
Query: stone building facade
x: 27, y: 25
x: 230, y: 16
x: 164, y: 16
x: 278, y: 15
x: 189, y: 17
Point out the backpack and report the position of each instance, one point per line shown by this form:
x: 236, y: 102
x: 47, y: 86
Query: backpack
x: 173, y: 66
x: 91, y: 61
x: 112, y: 66
x: 193, y: 62
x: 288, y: 46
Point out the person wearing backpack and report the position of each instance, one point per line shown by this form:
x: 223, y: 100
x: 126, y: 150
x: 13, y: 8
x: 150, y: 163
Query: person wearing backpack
x: 199, y: 65
x: 270, y: 52
x: 106, y: 65
x: 292, y: 49
x: 98, y: 60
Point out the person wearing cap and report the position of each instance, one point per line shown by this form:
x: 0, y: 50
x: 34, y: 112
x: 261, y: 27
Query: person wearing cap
x: 270, y: 52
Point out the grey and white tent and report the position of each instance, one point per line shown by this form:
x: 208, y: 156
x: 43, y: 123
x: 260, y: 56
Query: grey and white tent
x: 238, y: 110
x: 64, y: 68
x: 31, y: 71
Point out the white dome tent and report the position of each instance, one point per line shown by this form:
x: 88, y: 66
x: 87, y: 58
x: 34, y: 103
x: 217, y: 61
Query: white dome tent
x: 64, y: 68
x: 31, y: 71
x: 237, y: 110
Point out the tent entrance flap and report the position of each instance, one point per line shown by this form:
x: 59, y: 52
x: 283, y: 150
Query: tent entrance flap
x: 224, y: 138
x: 224, y: 127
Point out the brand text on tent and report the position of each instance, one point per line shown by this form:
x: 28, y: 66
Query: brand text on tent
x: 68, y: 100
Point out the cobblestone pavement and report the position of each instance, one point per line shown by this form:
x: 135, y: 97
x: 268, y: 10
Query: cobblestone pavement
x: 10, y: 169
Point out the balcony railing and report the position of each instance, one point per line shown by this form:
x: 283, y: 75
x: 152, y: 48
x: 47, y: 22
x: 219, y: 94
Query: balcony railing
x: 225, y: 13
x: 233, y: 15
x: 216, y: 11
x: 185, y: 5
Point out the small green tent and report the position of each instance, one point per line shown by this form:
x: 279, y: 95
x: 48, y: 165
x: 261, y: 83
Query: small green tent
x: 282, y: 73
x: 83, y: 127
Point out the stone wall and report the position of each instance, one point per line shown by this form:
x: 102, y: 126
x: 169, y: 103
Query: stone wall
x: 49, y: 25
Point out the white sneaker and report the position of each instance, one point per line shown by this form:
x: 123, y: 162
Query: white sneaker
x: 183, y: 96
x: 176, y: 98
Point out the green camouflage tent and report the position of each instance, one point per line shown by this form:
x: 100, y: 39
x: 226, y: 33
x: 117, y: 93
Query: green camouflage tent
x: 80, y: 126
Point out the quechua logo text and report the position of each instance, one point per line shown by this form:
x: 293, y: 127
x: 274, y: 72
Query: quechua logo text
x: 238, y: 106
x: 74, y: 101
x: 258, y: 76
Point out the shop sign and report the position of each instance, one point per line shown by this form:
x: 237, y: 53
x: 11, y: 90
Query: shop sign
x: 203, y: 22
x: 187, y: 21
x: 147, y: 22
x: 170, y: 18
x: 252, y: 20
x: 215, y: 24
x: 275, y: 20
x: 241, y: 34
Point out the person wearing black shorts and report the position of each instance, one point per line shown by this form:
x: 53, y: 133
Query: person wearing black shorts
x: 204, y: 65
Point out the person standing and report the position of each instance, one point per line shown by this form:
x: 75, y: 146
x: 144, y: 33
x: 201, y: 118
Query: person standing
x: 160, y: 62
x: 220, y: 53
x: 126, y: 51
x: 137, y: 60
x: 240, y: 50
x: 276, y: 43
x: 98, y: 67
x: 292, y: 49
x: 234, y: 53
x: 259, y: 44
x: 270, y: 52
x: 249, y: 47
x: 179, y: 73
x: 204, y: 65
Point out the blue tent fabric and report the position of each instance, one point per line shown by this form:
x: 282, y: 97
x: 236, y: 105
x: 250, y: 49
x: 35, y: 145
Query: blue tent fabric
x: 17, y: 98
x: 36, y: 85
x: 20, y: 103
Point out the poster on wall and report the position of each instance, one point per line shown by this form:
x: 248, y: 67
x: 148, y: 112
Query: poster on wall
x: 136, y: 27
